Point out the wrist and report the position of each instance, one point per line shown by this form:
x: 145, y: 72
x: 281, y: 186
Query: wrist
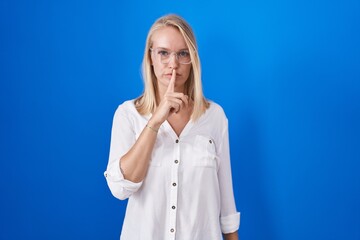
x: 155, y: 130
x: 154, y: 124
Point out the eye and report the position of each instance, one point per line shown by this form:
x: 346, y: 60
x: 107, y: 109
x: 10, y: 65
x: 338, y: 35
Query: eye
x: 184, y: 54
x: 163, y: 53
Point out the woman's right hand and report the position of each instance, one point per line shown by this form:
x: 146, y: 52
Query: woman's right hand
x: 171, y: 103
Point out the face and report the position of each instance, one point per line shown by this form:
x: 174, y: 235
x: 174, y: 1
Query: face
x: 170, y: 40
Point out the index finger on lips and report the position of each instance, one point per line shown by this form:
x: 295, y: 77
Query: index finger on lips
x: 172, y: 82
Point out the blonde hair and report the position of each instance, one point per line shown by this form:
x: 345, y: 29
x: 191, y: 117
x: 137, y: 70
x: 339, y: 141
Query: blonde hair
x: 146, y: 103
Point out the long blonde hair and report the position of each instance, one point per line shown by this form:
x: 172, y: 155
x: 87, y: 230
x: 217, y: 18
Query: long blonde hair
x: 146, y: 103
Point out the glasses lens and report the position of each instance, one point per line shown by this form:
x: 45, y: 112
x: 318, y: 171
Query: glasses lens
x: 164, y: 56
x: 184, y: 57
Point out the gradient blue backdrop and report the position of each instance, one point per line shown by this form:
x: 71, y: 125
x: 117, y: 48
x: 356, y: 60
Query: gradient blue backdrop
x: 286, y: 72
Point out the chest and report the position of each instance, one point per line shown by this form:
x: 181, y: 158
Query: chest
x: 178, y: 122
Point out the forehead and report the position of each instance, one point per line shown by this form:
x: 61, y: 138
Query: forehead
x: 168, y: 37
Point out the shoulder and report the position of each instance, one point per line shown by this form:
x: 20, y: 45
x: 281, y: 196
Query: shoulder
x: 215, y: 109
x: 214, y: 114
x: 126, y: 109
x: 127, y: 106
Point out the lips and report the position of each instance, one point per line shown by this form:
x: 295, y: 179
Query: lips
x: 170, y: 75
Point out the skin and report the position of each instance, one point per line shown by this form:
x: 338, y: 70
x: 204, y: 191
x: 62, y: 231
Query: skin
x: 173, y: 103
x: 173, y: 106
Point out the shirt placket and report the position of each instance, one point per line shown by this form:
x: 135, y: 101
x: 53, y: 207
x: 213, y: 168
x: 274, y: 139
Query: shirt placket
x: 174, y: 189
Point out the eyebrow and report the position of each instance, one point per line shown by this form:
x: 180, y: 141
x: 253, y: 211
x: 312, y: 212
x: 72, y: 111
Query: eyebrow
x: 167, y: 49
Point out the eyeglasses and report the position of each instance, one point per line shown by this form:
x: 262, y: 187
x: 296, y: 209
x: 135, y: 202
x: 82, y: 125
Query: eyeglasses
x: 164, y: 55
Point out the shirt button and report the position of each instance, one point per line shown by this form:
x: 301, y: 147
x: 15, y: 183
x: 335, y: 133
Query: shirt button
x: 173, y: 207
x: 210, y: 141
x: 176, y: 161
x: 177, y: 141
x: 174, y: 184
x: 172, y: 230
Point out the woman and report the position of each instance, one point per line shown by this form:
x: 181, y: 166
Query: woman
x: 169, y: 150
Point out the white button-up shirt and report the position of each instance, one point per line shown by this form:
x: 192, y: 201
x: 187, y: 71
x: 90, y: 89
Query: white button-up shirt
x: 187, y: 193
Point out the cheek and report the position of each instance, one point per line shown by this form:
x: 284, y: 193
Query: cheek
x: 187, y: 72
x: 157, y: 70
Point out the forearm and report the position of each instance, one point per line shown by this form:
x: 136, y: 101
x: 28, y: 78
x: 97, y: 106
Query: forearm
x: 135, y: 162
x: 231, y: 236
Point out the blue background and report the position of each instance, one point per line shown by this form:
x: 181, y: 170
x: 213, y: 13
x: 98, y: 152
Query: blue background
x: 286, y: 72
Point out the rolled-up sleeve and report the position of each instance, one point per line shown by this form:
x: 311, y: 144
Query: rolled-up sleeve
x: 231, y: 223
x: 229, y: 217
x: 122, y: 139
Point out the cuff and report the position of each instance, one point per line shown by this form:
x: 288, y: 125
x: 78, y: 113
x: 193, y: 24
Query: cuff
x: 230, y: 223
x: 119, y: 186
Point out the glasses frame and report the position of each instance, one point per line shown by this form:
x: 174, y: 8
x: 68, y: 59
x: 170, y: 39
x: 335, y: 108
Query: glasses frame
x: 171, y: 53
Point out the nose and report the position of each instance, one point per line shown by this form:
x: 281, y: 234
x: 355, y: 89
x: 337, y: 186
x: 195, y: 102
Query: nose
x: 174, y: 62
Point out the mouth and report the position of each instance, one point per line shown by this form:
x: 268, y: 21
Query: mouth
x: 169, y: 75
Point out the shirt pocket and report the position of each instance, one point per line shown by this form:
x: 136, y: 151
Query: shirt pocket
x: 204, y: 152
